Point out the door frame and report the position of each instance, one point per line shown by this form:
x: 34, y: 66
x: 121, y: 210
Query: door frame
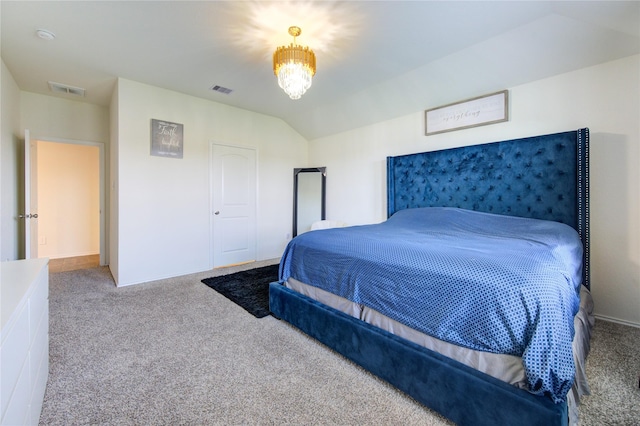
x: 29, y: 237
x: 102, y: 189
x: 212, y: 144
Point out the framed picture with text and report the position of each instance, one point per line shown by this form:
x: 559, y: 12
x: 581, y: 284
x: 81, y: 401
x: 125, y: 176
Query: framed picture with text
x: 166, y: 139
x: 480, y: 111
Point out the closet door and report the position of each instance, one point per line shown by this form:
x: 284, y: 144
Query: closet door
x: 233, y: 204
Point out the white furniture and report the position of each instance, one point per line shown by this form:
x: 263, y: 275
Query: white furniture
x: 24, y: 339
x: 327, y: 224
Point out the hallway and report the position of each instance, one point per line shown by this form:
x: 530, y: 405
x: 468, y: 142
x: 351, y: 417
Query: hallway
x: 74, y: 263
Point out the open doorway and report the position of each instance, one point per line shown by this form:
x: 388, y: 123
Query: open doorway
x: 68, y: 182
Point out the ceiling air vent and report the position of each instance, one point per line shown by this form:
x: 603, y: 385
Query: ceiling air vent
x: 64, y: 88
x: 221, y: 89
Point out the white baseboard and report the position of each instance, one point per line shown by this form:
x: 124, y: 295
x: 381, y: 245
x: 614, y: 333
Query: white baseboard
x: 617, y: 320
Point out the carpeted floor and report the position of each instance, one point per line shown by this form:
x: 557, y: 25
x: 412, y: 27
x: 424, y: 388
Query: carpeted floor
x: 174, y: 352
x: 613, y: 371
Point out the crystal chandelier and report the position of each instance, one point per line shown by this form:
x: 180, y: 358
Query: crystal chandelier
x: 294, y: 66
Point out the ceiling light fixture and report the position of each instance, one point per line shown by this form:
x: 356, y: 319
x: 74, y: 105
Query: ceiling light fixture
x: 45, y: 34
x: 294, y: 66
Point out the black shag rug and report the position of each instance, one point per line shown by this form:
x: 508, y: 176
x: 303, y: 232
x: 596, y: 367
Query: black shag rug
x: 248, y: 289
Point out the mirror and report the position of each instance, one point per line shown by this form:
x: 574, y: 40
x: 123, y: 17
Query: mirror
x: 309, y: 190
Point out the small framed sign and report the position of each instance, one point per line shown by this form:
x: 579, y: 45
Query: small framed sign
x: 480, y: 111
x: 166, y: 139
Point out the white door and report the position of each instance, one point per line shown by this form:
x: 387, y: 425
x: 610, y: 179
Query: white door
x: 233, y: 204
x: 30, y: 214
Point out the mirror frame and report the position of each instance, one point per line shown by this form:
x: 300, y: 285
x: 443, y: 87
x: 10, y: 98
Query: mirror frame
x: 296, y: 172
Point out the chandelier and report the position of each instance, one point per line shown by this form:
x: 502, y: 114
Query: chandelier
x: 294, y: 66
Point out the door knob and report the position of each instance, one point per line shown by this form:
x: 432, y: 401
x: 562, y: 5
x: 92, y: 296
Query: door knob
x: 216, y: 212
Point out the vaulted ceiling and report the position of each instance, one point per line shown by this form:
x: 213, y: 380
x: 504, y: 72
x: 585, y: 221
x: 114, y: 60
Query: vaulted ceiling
x: 377, y: 60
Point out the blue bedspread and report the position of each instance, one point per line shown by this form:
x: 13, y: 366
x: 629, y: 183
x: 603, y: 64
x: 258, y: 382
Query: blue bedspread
x: 488, y: 282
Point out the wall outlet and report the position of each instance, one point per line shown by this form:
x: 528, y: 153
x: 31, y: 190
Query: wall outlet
x: 42, y: 240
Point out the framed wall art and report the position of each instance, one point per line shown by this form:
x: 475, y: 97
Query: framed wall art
x: 166, y: 139
x: 480, y: 111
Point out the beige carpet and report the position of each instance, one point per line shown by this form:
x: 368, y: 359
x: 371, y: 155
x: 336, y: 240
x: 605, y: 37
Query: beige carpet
x: 175, y: 352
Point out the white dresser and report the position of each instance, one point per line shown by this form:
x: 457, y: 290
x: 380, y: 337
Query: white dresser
x: 24, y: 339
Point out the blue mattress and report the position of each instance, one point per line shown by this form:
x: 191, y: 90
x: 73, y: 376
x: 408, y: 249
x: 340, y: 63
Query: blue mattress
x: 488, y: 282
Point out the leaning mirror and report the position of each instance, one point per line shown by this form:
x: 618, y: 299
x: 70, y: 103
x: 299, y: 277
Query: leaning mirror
x: 309, y: 189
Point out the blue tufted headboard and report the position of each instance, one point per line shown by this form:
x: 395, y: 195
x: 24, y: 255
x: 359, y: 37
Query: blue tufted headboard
x: 541, y: 177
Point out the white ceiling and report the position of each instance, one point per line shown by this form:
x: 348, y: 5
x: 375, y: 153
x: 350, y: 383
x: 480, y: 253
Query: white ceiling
x: 377, y: 60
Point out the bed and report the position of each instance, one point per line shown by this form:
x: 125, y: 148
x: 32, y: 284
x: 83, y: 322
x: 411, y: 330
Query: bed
x: 418, y: 315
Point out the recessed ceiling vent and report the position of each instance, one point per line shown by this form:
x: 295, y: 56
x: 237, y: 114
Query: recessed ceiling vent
x: 221, y: 89
x: 64, y: 88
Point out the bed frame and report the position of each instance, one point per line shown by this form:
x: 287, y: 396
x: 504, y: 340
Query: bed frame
x: 543, y: 177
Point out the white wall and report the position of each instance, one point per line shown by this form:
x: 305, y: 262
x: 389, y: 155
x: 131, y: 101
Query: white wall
x: 605, y: 98
x: 10, y: 170
x: 112, y: 192
x: 68, y: 199
x: 163, y: 204
x: 49, y: 117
